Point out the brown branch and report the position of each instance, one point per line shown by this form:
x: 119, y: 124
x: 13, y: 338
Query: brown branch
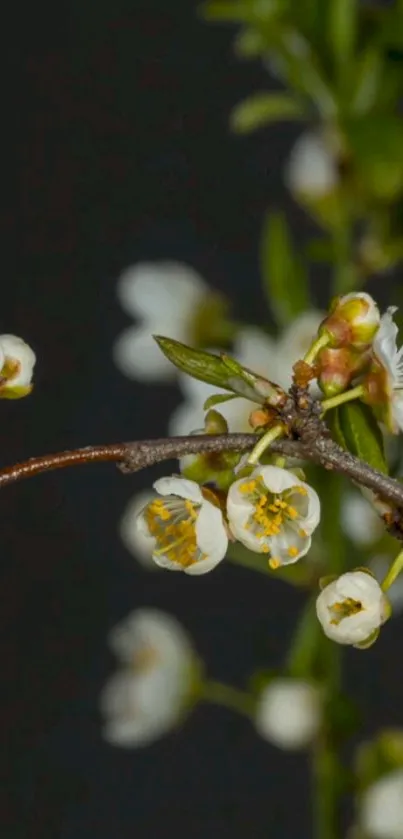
x: 132, y: 457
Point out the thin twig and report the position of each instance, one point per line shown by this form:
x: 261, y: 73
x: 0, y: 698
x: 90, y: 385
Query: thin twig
x: 132, y: 457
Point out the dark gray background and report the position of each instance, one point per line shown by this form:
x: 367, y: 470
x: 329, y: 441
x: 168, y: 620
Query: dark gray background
x: 117, y: 150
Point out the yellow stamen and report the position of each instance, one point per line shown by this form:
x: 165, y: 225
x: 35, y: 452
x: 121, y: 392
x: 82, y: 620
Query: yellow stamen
x: 293, y: 551
x: 274, y: 562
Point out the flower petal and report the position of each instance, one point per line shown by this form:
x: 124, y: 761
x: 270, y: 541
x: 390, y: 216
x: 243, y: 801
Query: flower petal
x: 139, y: 357
x: 181, y: 487
x: 163, y: 291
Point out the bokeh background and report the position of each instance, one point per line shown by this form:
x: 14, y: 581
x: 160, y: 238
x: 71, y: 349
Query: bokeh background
x: 118, y: 150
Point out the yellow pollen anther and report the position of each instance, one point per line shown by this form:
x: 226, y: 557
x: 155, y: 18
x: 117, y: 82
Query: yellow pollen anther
x: 274, y: 562
x: 302, y: 533
x: 292, y: 512
x: 293, y: 551
x: 300, y: 489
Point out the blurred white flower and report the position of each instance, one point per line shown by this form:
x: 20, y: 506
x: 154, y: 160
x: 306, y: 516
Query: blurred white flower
x: 260, y: 353
x: 17, y: 362
x: 288, y: 713
x: 352, y: 608
x: 145, y: 698
x: 385, y: 380
x: 165, y: 297
x: 186, y: 525
x: 359, y: 520
x: 379, y: 566
x: 137, y: 542
x: 381, y: 808
x: 273, y: 512
x: 311, y: 170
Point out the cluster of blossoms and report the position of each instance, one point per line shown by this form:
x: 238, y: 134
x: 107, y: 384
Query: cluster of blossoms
x: 271, y: 511
x: 190, y: 519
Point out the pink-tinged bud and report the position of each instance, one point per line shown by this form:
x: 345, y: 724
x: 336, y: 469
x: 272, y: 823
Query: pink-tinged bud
x: 353, y: 321
x: 338, y: 367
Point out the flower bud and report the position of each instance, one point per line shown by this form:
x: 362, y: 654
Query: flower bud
x: 381, y: 807
x: 352, y: 322
x: 337, y: 368
x: 288, y: 713
x: 17, y: 363
x: 352, y: 608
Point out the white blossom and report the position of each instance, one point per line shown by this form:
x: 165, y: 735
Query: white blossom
x: 186, y: 525
x: 390, y: 361
x: 266, y: 356
x: 288, y: 713
x: 145, y: 698
x: 352, y: 608
x: 139, y: 543
x: 273, y: 512
x: 359, y: 520
x: 311, y: 170
x: 17, y: 361
x: 381, y: 807
x: 165, y: 297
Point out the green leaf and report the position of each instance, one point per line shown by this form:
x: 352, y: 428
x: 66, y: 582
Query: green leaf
x: 284, y: 277
x: 217, y: 399
x: 358, y: 428
x: 342, y: 27
x: 365, y: 81
x: 262, y: 108
x: 220, y: 371
x: 376, y: 142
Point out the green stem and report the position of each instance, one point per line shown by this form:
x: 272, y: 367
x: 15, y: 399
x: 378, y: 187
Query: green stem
x: 347, y: 396
x: 316, y: 347
x: 228, y: 696
x: 264, y: 443
x: 394, y: 571
x: 325, y: 771
x: 303, y: 650
x: 326, y: 767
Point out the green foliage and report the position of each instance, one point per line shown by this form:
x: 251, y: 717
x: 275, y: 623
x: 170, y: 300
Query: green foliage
x: 218, y: 370
x: 354, y: 427
x: 262, y: 108
x: 284, y: 277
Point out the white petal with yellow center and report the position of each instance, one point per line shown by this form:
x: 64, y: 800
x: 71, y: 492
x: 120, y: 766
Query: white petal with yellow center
x: 273, y: 512
x: 187, y: 526
x: 352, y: 608
x: 15, y: 351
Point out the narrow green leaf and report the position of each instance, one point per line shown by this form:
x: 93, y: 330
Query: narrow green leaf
x: 342, y: 29
x: 361, y: 434
x: 217, y: 399
x: 284, y: 278
x: 334, y: 425
x: 263, y: 108
x: 220, y: 371
x: 365, y: 81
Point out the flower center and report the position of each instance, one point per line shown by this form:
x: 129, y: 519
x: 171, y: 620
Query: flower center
x: 145, y: 658
x: 9, y: 370
x: 171, y: 521
x: 345, y: 609
x: 273, y: 511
